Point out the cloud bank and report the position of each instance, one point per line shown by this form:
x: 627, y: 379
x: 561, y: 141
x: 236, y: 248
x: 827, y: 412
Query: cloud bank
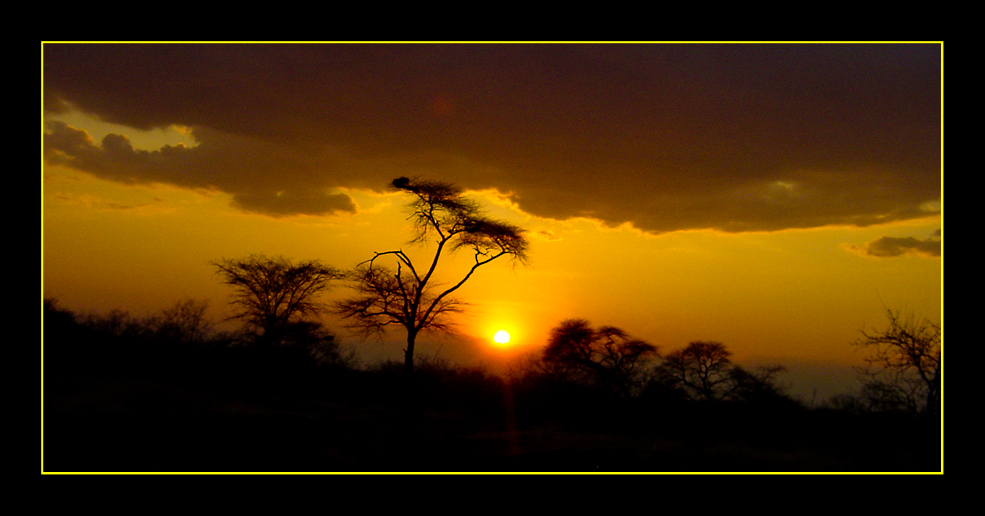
x: 667, y: 137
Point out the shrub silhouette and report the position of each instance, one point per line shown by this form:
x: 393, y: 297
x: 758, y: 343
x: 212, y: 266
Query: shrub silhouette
x: 179, y: 344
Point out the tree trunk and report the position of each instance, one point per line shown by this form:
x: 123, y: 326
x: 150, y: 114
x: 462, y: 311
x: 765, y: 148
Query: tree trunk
x: 409, y: 354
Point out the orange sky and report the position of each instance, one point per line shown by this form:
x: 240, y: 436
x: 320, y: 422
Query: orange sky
x: 776, y: 198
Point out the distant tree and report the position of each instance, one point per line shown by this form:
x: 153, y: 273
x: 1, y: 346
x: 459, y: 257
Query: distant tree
x: 759, y: 385
x: 118, y: 342
x: 605, y: 357
x: 314, y: 343
x: 702, y: 369
x: 272, y: 293
x: 117, y: 323
x: 903, y: 368
x: 408, y: 296
x: 185, y: 321
x: 845, y: 402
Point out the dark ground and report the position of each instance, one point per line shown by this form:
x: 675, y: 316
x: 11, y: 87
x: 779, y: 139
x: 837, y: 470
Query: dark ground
x: 104, y: 424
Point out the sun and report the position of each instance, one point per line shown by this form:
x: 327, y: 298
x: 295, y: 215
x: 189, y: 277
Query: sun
x: 501, y: 337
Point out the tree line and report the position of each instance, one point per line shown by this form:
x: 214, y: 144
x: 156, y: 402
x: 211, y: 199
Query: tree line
x: 277, y: 300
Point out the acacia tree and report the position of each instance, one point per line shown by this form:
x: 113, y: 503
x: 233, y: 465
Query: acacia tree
x: 704, y: 371
x: 272, y: 293
x: 606, y: 357
x: 903, y: 369
x: 406, y: 295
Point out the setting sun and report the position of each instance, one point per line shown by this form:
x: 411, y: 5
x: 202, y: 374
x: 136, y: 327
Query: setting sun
x: 501, y: 337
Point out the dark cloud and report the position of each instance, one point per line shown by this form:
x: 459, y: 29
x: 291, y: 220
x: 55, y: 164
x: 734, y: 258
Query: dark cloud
x: 733, y: 137
x: 890, y: 247
x: 262, y: 177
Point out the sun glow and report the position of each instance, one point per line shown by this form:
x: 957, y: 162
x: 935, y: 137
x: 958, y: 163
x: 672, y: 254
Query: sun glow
x: 501, y: 337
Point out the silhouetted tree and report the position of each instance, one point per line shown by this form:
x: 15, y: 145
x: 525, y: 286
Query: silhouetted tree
x: 272, y: 293
x: 702, y: 369
x: 314, y: 343
x: 606, y: 357
x: 759, y: 385
x: 119, y: 343
x: 903, y: 369
x: 407, y: 296
x: 185, y: 321
x: 845, y: 402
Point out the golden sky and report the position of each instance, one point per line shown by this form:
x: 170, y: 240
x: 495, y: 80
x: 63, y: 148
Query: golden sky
x: 774, y: 197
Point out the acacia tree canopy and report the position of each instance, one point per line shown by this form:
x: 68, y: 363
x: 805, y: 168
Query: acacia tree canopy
x: 271, y: 293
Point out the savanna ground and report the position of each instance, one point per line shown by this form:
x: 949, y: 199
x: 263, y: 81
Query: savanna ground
x: 130, y: 425
x: 133, y: 405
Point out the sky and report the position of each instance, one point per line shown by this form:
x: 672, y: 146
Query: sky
x: 775, y: 197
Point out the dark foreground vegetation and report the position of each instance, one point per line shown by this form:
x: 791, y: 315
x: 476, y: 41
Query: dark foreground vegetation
x: 166, y: 394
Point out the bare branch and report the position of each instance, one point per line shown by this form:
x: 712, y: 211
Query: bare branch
x: 902, y: 370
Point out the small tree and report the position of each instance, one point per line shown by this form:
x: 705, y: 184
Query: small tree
x: 185, y: 321
x: 759, y: 385
x: 606, y: 357
x: 272, y: 293
x: 903, y: 368
x: 407, y: 295
x: 702, y: 369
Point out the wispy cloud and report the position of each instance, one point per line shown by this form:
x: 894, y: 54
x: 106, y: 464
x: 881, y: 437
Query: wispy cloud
x: 891, y: 247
